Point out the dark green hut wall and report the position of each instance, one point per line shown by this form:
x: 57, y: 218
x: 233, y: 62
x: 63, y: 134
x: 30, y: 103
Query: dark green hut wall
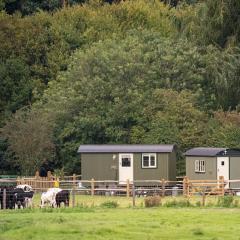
x: 234, y: 171
x: 211, y: 168
x: 102, y: 166
x: 99, y: 166
x: 172, y: 168
x: 158, y: 173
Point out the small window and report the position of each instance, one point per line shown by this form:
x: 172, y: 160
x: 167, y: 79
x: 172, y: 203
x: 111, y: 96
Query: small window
x: 222, y: 163
x: 149, y: 160
x: 200, y: 166
x: 126, y: 161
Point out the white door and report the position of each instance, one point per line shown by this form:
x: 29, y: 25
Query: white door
x: 125, y: 168
x: 223, y: 168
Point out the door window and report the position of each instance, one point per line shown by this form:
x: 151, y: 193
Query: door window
x: 126, y: 161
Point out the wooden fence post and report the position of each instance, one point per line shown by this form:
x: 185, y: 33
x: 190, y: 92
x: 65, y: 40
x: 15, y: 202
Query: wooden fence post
x: 18, y: 180
x: 4, y: 198
x: 92, y: 187
x: 204, y: 196
x: 128, y: 188
x: 49, y: 178
x: 163, y: 187
x: 73, y: 190
x: 221, y: 185
x: 37, y: 183
x: 133, y: 195
x: 185, y: 187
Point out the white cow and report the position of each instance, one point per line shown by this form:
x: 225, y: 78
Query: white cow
x: 49, y: 197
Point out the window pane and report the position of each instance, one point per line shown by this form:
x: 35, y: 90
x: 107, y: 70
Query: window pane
x: 196, y: 165
x: 152, y: 162
x: 146, y: 161
x: 126, y: 162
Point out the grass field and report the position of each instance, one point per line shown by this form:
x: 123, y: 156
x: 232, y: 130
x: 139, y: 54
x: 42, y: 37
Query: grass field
x: 91, y: 221
x: 88, y: 201
x: 120, y: 223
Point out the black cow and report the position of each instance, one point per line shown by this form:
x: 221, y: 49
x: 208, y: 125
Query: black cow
x: 15, y: 197
x: 21, y: 197
x: 62, y: 196
x: 10, y: 200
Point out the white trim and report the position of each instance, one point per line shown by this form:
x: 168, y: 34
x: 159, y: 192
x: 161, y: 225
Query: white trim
x: 149, y: 160
x: 223, y: 169
x: 125, y: 173
x: 200, y: 166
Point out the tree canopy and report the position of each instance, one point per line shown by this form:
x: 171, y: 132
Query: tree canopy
x: 127, y: 72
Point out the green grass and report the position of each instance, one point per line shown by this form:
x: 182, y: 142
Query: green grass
x: 92, y: 219
x: 88, y: 201
x: 120, y: 223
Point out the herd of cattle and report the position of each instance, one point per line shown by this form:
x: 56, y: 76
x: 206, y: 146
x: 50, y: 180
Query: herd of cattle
x: 21, y: 196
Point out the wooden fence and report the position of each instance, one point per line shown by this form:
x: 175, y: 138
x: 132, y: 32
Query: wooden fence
x: 204, y: 187
x: 93, y: 187
x: 43, y: 183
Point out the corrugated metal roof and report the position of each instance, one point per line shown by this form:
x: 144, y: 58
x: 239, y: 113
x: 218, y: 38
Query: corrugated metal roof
x: 125, y: 148
x: 204, y: 151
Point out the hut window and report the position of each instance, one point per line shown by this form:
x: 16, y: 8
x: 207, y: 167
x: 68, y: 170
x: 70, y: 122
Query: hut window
x: 200, y: 166
x: 126, y: 161
x: 149, y: 160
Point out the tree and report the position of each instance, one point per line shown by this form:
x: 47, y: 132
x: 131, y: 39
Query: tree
x: 16, y: 87
x: 29, y: 136
x: 212, y: 22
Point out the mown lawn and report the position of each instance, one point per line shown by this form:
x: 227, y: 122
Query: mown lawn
x: 120, y: 223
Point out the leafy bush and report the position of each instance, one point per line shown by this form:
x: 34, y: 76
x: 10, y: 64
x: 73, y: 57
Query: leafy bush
x: 210, y: 204
x: 198, y: 231
x: 109, y: 204
x: 225, y: 201
x: 180, y: 203
x: 236, y: 203
x: 198, y: 204
x: 152, y: 201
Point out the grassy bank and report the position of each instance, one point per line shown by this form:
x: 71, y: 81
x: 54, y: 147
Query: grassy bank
x: 120, y: 223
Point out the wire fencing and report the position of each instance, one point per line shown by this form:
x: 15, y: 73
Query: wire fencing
x: 56, y: 192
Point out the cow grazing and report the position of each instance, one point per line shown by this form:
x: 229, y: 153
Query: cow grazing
x: 25, y: 187
x: 62, y: 197
x: 15, y: 197
x: 25, y: 195
x: 49, y: 197
x: 22, y: 199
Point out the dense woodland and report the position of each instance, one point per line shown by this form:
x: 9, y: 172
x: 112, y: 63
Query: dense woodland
x: 143, y: 71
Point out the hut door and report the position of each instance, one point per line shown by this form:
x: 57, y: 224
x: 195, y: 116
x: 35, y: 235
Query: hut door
x: 125, y: 167
x: 223, y: 168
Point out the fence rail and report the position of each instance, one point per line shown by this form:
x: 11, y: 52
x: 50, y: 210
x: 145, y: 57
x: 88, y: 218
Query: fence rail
x: 130, y: 189
x: 163, y: 187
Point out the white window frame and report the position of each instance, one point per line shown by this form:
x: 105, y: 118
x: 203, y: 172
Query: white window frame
x: 200, y: 166
x: 149, y: 160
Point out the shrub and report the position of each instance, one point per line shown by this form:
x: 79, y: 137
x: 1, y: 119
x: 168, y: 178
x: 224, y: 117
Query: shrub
x: 198, y: 231
x: 210, y: 204
x: 236, y: 203
x: 198, y: 204
x: 225, y: 201
x: 180, y: 203
x: 152, y: 201
x: 109, y: 204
